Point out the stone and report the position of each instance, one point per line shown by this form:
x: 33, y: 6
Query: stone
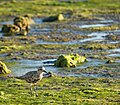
x: 21, y: 26
x: 110, y: 61
x: 3, y: 68
x: 71, y: 60
x: 23, y: 22
x: 59, y: 17
x: 10, y: 29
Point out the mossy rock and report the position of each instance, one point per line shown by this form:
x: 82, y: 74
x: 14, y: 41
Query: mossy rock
x: 59, y: 17
x: 12, y: 47
x: 71, y: 60
x: 4, y: 48
x: 10, y: 29
x: 23, y: 22
x: 4, y: 69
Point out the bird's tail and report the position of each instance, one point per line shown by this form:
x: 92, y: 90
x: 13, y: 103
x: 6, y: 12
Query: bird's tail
x: 18, y: 77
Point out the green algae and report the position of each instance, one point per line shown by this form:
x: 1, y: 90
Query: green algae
x: 103, y: 28
x: 53, y: 7
x: 101, y: 46
x: 4, y: 69
x: 61, y: 90
x: 70, y: 60
x: 12, y: 47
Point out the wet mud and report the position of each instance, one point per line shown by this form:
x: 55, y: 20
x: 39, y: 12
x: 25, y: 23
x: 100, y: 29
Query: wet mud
x: 98, y: 40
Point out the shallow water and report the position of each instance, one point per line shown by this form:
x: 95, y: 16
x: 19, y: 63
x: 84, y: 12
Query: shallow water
x: 1, y: 34
x: 38, y: 20
x: 93, y: 25
x: 115, y: 50
x: 114, y: 55
x: 24, y: 66
x: 97, y: 36
x: 6, y: 22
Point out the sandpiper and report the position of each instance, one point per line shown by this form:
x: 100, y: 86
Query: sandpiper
x: 32, y: 77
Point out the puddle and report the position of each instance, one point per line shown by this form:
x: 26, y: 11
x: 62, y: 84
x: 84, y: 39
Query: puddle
x: 101, y: 23
x: 38, y: 20
x: 113, y: 55
x: 115, y: 50
x: 39, y: 31
x: 1, y: 34
x: 6, y: 22
x: 106, y: 21
x: 24, y: 66
x: 114, y: 42
x: 93, y: 25
x: 114, y: 31
x: 96, y: 37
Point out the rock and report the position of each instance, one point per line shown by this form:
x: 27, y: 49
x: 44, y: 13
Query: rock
x: 4, y: 69
x: 21, y: 26
x: 71, y: 60
x: 23, y: 22
x: 2, y: 93
x: 59, y: 17
x: 10, y: 29
x: 2, y: 48
x: 109, y: 61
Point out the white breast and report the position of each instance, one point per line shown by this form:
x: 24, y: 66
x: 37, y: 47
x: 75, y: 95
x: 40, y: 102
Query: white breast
x: 41, y: 76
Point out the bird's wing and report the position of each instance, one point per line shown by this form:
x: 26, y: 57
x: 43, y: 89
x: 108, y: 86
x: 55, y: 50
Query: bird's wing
x: 27, y: 75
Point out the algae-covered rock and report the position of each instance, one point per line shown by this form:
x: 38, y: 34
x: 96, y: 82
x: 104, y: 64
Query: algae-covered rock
x: 4, y: 48
x: 4, y: 69
x: 59, y: 17
x: 10, y: 29
x: 21, y: 26
x: 23, y: 23
x: 69, y: 60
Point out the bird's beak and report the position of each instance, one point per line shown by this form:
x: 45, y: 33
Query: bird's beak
x: 44, y: 71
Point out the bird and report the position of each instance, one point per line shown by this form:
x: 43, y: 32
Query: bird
x: 33, y: 77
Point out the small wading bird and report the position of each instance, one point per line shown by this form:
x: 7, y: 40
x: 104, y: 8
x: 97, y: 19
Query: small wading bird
x: 32, y: 77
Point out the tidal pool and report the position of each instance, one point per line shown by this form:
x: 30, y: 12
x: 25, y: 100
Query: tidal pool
x: 115, y: 50
x: 96, y: 36
x: 93, y: 25
x: 6, y: 22
x: 23, y: 66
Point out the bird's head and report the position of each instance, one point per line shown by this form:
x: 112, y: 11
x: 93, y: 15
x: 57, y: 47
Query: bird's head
x: 42, y: 69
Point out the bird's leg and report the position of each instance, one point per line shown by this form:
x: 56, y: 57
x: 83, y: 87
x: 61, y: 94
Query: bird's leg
x: 35, y: 89
x: 31, y: 85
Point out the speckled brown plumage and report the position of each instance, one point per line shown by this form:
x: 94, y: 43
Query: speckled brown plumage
x: 32, y: 77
